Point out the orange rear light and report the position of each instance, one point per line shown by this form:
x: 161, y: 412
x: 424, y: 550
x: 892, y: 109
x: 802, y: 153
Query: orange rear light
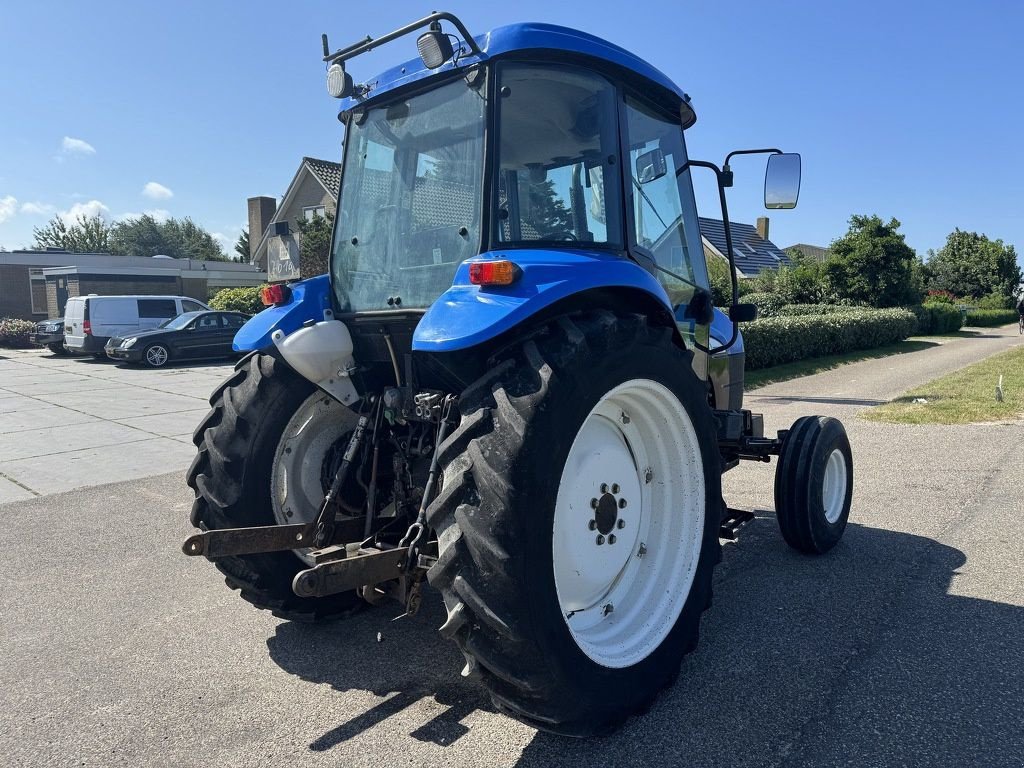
x: 493, y: 272
x: 275, y: 295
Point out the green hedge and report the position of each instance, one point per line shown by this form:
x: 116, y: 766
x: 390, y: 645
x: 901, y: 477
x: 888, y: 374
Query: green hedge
x: 937, y: 317
x: 238, y: 300
x: 986, y: 318
x: 768, y: 304
x: 14, y: 333
x: 777, y: 340
x: 798, y: 310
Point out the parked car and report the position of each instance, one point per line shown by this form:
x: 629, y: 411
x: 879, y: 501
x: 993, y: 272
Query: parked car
x: 90, y: 321
x: 49, y: 334
x: 191, y: 336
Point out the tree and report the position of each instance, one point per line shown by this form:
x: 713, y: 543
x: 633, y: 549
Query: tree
x: 971, y: 265
x: 88, y: 234
x: 242, y: 246
x: 315, y: 244
x: 872, y: 264
x: 177, y: 238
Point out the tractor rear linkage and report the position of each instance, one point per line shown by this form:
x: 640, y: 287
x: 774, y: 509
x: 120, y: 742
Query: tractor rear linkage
x: 341, y: 565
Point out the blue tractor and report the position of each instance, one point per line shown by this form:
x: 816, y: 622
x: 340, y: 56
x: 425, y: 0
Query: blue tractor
x: 513, y: 383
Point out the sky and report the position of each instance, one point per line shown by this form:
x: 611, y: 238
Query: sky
x: 912, y: 110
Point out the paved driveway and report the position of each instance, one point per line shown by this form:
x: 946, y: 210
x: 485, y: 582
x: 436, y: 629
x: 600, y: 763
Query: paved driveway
x: 70, y: 422
x: 903, y: 646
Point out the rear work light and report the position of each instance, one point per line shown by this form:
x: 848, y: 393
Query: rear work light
x: 87, y: 328
x: 275, y: 295
x: 493, y: 272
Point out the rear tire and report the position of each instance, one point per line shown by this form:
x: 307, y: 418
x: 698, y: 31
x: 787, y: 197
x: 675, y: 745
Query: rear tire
x: 231, y: 477
x: 57, y: 349
x: 505, y: 567
x: 814, y: 484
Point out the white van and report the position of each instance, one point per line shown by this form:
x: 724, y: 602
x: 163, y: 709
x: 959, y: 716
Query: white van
x: 90, y: 320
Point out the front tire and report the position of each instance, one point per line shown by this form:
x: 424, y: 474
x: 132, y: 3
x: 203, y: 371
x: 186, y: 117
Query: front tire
x: 568, y: 634
x: 232, y: 477
x: 57, y: 349
x: 156, y: 355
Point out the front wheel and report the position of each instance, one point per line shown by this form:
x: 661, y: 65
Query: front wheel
x: 156, y: 355
x: 578, y: 522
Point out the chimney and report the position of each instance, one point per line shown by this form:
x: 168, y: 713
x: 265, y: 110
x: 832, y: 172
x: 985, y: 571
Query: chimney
x: 261, y: 213
x: 762, y: 225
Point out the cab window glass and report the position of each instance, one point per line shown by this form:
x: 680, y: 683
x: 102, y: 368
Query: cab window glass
x: 664, y: 215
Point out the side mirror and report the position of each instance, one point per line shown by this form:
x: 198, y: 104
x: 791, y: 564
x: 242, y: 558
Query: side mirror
x: 650, y: 166
x: 782, y: 181
x: 743, y: 313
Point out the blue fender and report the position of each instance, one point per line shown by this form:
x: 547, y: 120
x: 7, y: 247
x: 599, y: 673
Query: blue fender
x: 466, y: 315
x: 309, y: 299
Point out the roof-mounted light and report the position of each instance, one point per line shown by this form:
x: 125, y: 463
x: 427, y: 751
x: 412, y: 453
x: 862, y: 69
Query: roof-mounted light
x: 339, y: 82
x: 434, y: 46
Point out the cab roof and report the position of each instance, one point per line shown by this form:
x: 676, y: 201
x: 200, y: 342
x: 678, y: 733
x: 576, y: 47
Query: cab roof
x: 546, y: 42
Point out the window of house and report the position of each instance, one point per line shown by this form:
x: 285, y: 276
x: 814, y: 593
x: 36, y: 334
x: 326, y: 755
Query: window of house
x: 162, y: 308
x: 313, y: 210
x: 37, y: 290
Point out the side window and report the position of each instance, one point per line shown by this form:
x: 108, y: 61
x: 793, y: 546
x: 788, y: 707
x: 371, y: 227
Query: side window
x: 163, y: 309
x: 664, y: 215
x: 191, y: 306
x: 208, y: 322
x: 234, y: 321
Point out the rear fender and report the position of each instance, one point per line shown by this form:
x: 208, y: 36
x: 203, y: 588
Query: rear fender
x: 310, y: 300
x: 467, y: 315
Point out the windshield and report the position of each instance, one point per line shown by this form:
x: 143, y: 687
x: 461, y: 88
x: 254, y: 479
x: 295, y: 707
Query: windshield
x: 411, y: 199
x: 179, y: 322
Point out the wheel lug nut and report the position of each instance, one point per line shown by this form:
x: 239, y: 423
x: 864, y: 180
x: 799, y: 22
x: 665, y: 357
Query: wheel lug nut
x: 600, y: 539
x: 622, y: 503
x: 615, y: 487
x: 611, y: 538
x: 592, y: 525
x: 604, y: 487
x: 593, y: 503
x: 621, y: 523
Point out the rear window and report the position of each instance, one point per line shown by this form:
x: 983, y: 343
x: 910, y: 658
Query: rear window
x: 192, y: 306
x: 162, y: 308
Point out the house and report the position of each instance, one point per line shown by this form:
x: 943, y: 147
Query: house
x: 273, y: 229
x: 35, y: 285
x: 752, y: 251
x: 814, y: 252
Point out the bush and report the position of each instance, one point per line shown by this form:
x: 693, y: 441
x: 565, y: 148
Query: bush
x: 777, y: 340
x: 995, y: 300
x: 937, y: 317
x: 768, y: 304
x: 238, y: 300
x: 986, y: 318
x: 797, y: 310
x: 937, y: 295
x: 14, y: 333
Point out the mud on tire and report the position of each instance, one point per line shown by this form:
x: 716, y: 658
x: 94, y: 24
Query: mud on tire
x: 494, y: 518
x: 231, y: 479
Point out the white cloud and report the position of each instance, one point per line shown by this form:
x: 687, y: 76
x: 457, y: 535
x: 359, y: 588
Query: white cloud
x: 8, y: 207
x: 160, y: 214
x: 156, y: 191
x: 227, y: 243
x: 89, y: 209
x: 70, y: 146
x: 37, y: 209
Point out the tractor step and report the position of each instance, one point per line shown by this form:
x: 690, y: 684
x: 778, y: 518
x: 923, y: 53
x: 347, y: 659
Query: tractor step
x: 732, y: 522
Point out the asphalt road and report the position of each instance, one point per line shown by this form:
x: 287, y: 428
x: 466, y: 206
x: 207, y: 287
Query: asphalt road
x: 904, y: 646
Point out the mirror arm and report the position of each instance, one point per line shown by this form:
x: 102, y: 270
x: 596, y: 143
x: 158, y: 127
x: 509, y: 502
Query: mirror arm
x: 728, y: 245
x: 727, y: 171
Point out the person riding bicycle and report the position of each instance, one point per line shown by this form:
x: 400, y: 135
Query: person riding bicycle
x: 1020, y: 311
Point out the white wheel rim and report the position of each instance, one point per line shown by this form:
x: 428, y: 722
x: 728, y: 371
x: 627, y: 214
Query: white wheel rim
x: 295, y: 487
x: 620, y: 600
x: 156, y: 355
x: 833, y: 490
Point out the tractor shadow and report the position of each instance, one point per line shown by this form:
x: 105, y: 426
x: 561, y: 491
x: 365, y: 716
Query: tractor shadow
x: 410, y: 662
x: 866, y: 655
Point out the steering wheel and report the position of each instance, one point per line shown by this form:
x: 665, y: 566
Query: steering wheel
x: 559, y: 234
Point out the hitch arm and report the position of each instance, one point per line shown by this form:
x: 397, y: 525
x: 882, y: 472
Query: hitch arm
x: 224, y: 542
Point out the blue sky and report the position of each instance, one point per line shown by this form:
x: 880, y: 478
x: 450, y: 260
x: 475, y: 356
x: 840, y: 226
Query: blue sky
x: 907, y: 109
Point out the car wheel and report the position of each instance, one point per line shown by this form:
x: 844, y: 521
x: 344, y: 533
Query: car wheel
x: 156, y: 356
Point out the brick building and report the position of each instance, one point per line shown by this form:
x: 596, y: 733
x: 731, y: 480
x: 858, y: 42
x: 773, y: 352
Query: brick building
x: 35, y: 285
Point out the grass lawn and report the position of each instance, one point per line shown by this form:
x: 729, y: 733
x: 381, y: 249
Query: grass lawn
x: 966, y: 396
